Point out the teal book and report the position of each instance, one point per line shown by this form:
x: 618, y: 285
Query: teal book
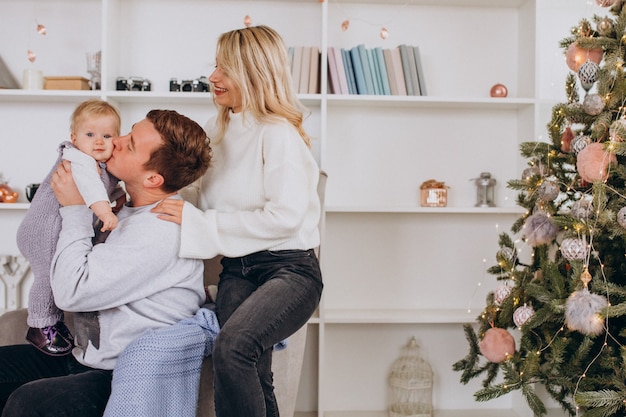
x: 406, y: 69
x: 349, y: 71
x: 359, y: 76
x: 367, y: 73
x: 371, y: 58
x: 420, y: 70
x: 382, y: 69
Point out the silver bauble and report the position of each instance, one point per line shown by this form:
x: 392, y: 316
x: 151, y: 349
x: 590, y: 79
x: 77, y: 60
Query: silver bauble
x: 574, y: 249
x: 588, y: 74
x: 548, y: 191
x: 580, y: 142
x: 593, y: 104
x: 605, y: 26
x: 582, y: 209
x: 522, y: 314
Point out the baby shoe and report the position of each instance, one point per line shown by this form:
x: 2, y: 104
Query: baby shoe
x: 53, y: 340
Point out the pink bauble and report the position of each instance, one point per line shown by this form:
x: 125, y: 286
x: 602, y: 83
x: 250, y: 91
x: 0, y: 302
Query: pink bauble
x: 592, y: 162
x: 497, y: 345
x: 576, y: 56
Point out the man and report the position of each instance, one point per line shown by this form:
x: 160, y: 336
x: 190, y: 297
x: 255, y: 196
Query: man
x: 118, y: 289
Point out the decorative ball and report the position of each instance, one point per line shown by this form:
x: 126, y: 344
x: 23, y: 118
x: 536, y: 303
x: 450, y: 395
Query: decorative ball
x: 593, y: 104
x: 605, y: 3
x: 497, y: 345
x: 539, y: 229
x: 588, y: 74
x: 582, y: 209
x: 499, y: 90
x: 617, y: 131
x: 580, y: 142
x: 621, y: 217
x: 506, y: 253
x: 605, y: 26
x: 593, y: 162
x: 548, y: 190
x: 566, y: 139
x: 576, y: 56
x: 522, y: 314
x: 581, y: 312
x: 574, y: 249
x: 500, y: 293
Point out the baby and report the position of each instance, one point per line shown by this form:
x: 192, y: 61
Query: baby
x: 94, y: 124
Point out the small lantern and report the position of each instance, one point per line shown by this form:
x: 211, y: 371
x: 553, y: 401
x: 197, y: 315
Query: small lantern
x: 433, y: 194
x: 410, y: 384
x: 485, y: 190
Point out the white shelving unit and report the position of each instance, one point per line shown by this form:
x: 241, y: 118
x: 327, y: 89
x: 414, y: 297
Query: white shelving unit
x: 392, y: 269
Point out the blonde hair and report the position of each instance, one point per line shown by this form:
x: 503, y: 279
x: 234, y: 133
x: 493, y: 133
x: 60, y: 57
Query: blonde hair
x: 95, y: 107
x: 255, y: 59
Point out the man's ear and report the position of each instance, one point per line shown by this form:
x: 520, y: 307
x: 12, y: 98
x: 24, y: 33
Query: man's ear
x: 154, y: 180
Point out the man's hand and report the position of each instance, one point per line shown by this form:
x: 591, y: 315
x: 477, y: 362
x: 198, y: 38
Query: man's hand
x: 64, y: 187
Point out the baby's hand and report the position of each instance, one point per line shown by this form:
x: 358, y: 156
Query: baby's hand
x: 109, y: 221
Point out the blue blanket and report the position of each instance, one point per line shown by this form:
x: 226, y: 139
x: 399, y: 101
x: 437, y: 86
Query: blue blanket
x: 158, y: 374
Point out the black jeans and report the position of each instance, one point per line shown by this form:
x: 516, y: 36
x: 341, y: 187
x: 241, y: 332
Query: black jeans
x: 35, y: 384
x: 263, y: 298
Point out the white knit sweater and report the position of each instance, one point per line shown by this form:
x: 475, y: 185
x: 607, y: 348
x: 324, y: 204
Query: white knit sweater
x: 260, y: 193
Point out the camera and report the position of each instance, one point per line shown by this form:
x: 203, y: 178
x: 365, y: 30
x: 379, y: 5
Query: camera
x: 200, y: 84
x: 132, y: 84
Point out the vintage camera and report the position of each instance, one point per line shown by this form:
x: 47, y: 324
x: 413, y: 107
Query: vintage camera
x: 200, y: 84
x: 132, y: 84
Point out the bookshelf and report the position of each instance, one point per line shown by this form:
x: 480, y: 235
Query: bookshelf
x: 392, y: 269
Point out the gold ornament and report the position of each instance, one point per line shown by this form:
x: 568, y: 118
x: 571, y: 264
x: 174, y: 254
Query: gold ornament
x: 41, y: 29
x: 345, y: 25
x: 585, y: 277
x: 31, y: 56
x: 247, y: 21
x: 384, y: 33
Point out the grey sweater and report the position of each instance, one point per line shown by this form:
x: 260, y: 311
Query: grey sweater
x: 133, y: 282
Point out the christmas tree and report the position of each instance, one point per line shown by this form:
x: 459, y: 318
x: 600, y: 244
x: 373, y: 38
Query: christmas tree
x: 562, y: 270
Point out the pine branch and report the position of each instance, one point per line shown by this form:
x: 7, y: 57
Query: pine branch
x: 604, y: 403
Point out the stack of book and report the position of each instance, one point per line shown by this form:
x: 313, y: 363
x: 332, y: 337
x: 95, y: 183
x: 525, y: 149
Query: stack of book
x: 305, y: 69
x: 376, y: 71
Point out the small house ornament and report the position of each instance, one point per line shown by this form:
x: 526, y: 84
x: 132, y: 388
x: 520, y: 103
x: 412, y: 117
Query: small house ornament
x: 433, y: 194
x: 410, y: 384
x: 485, y: 190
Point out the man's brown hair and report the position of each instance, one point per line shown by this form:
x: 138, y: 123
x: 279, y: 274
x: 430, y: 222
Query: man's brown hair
x: 186, y: 152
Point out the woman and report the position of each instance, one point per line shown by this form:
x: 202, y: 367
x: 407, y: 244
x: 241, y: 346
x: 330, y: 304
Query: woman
x: 259, y: 208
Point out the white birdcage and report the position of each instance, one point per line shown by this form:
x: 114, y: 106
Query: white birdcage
x: 410, y: 384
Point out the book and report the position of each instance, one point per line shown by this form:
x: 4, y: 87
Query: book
x: 347, y: 63
x: 333, y: 76
x: 391, y: 73
x: 371, y: 58
x: 420, y: 70
x: 296, y: 67
x: 305, y: 70
x: 406, y: 70
x: 314, y: 78
x: 367, y: 73
x: 341, y: 70
x: 397, y: 67
x: 359, y: 76
x: 382, y: 70
x: 413, y: 69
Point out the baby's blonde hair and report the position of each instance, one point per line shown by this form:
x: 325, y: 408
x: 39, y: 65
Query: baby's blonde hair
x: 95, y: 107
